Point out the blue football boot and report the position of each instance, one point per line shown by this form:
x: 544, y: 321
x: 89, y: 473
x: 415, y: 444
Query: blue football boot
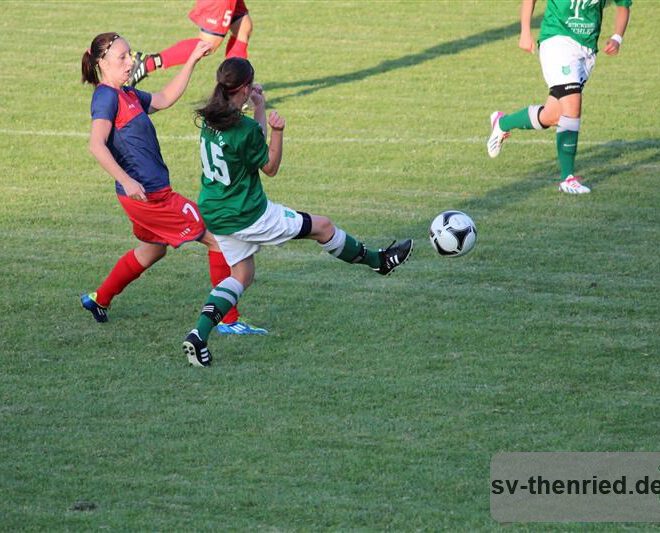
x: 99, y: 312
x: 240, y: 328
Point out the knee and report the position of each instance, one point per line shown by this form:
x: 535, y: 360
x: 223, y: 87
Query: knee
x: 549, y: 117
x: 214, y: 40
x: 326, y: 225
x: 159, y: 254
x: 147, y: 255
x: 324, y: 229
x: 209, y: 241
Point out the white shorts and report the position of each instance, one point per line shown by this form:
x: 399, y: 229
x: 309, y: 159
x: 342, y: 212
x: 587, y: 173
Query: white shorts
x: 565, y: 61
x: 276, y: 226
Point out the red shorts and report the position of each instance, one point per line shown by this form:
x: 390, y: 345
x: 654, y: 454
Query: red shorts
x: 216, y: 16
x: 166, y: 218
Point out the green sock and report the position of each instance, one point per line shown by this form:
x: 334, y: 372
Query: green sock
x: 517, y: 121
x: 221, y: 299
x: 356, y: 252
x: 349, y: 249
x: 566, y: 149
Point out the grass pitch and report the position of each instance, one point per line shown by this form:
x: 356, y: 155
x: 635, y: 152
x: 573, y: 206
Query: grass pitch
x: 374, y: 403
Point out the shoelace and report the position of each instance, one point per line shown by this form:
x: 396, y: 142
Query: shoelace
x: 394, y: 258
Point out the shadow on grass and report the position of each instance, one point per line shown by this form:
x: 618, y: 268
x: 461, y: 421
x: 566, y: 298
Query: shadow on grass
x: 597, y: 163
x: 449, y: 48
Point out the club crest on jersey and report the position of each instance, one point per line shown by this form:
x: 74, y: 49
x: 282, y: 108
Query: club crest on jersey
x: 566, y: 70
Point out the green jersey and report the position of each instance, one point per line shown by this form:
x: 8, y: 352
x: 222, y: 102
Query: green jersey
x: 232, y: 197
x: 577, y: 19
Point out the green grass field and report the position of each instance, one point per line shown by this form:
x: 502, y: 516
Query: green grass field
x: 375, y: 403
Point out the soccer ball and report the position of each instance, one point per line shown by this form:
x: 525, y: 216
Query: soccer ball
x: 453, y: 233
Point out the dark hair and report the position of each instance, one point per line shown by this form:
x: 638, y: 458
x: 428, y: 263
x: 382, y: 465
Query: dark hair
x: 97, y: 50
x: 219, y: 113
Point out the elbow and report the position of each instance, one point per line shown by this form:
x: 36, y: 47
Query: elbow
x: 97, y: 149
x: 272, y: 165
x: 160, y: 101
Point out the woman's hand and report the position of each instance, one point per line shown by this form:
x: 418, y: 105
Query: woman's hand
x: 202, y: 49
x: 526, y: 42
x: 612, y: 47
x: 275, y: 121
x: 134, y: 190
x: 257, y: 96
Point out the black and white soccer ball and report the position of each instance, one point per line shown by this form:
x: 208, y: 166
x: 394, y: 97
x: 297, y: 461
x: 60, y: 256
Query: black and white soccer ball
x: 453, y: 233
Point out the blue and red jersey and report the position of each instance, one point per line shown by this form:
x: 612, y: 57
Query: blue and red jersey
x: 132, y: 140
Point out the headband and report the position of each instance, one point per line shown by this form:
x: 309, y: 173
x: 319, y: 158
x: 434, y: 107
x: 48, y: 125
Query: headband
x: 236, y: 89
x: 114, y: 38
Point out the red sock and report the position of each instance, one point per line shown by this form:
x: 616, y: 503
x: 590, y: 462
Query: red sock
x: 127, y: 269
x: 219, y: 270
x: 179, y: 53
x: 236, y: 48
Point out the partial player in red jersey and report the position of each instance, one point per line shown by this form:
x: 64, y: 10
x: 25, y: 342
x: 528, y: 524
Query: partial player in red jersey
x: 123, y: 140
x: 215, y: 18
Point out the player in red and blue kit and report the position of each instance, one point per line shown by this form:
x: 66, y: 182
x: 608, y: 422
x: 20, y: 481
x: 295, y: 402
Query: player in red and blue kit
x: 123, y: 140
x: 215, y: 19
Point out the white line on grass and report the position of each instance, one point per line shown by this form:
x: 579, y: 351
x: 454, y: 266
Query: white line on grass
x: 342, y: 140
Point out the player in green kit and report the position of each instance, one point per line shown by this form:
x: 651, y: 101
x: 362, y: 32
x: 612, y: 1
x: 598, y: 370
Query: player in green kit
x: 568, y: 44
x: 235, y: 208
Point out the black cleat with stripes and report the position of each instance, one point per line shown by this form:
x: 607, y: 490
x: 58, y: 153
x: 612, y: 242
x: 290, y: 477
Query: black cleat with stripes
x: 394, y: 255
x: 196, y: 350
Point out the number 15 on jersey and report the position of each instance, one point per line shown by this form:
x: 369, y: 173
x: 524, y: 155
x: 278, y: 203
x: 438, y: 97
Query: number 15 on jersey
x: 213, y: 166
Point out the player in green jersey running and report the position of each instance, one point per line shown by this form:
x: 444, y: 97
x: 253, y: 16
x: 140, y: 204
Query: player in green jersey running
x: 568, y: 44
x: 235, y: 208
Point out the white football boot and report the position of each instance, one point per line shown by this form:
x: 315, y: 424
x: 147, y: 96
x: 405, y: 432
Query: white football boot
x: 497, y: 136
x: 572, y: 185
